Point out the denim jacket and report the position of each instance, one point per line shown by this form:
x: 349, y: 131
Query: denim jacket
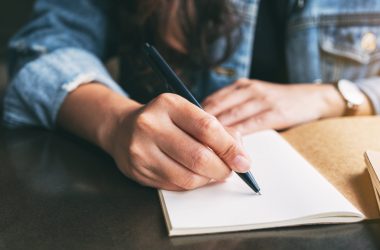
x: 67, y: 42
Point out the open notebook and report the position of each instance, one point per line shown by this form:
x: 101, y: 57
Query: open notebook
x: 293, y: 193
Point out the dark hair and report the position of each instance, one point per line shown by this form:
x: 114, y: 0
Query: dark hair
x: 182, y: 30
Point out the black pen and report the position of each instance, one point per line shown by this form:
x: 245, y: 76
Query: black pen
x: 158, y: 63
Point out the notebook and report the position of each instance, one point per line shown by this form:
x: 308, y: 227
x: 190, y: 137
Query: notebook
x: 312, y: 174
x: 293, y: 193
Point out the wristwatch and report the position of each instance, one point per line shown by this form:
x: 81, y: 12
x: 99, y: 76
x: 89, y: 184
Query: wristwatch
x: 351, y: 94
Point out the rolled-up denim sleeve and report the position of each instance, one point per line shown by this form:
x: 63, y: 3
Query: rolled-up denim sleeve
x: 38, y: 90
x: 63, y: 46
x: 371, y: 87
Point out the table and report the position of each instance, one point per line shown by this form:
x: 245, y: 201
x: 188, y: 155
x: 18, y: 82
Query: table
x: 59, y: 192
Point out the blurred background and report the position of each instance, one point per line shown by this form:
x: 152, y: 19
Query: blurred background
x: 12, y: 15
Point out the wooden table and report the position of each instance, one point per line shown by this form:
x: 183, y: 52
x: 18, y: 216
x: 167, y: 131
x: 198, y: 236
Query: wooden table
x: 59, y: 192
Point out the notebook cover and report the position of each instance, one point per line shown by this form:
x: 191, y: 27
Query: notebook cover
x: 336, y: 147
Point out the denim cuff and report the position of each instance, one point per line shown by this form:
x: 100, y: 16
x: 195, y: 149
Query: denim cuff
x: 370, y: 86
x: 38, y: 90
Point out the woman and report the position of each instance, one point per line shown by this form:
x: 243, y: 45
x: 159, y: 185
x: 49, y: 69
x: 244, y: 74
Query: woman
x: 163, y: 141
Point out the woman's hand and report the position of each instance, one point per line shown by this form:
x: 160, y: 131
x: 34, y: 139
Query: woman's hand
x: 251, y: 105
x: 171, y: 144
x: 168, y: 143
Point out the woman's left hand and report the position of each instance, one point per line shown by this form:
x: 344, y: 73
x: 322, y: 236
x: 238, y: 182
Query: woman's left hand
x: 251, y: 105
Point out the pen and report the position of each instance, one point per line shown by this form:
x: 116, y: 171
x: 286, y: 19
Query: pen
x: 158, y: 63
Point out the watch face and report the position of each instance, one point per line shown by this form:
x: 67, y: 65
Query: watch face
x: 351, y: 92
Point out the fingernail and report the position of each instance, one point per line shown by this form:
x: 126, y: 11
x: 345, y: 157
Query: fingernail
x: 241, y: 164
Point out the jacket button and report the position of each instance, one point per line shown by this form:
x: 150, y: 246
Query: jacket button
x: 369, y: 42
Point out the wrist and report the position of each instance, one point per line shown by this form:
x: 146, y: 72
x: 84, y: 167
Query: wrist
x: 93, y: 112
x: 118, y: 113
x: 333, y: 103
x: 367, y: 107
x: 356, y: 102
x: 336, y: 105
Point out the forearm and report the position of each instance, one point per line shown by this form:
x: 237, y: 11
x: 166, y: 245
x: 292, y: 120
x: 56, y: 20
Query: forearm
x: 91, y: 112
x: 56, y: 51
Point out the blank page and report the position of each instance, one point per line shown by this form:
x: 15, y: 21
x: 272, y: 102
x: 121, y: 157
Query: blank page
x: 293, y: 193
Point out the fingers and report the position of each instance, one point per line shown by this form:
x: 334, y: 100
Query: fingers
x: 181, y: 176
x: 266, y: 120
x: 138, y: 166
x: 220, y: 94
x: 242, y: 112
x: 230, y: 96
x: 177, y: 174
x: 160, y: 171
x: 207, y: 130
x: 155, y: 181
x: 193, y: 155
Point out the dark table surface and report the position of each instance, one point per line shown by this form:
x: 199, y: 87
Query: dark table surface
x: 58, y: 192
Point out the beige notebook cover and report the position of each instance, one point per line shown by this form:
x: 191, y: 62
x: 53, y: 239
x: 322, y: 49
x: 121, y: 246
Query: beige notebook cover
x: 336, y: 149
x: 334, y: 188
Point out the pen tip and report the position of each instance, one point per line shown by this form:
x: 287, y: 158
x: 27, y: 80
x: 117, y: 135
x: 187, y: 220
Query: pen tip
x: 258, y: 193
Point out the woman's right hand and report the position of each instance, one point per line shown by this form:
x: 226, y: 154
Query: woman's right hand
x: 171, y: 144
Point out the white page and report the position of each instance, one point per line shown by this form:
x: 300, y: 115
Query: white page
x: 291, y: 189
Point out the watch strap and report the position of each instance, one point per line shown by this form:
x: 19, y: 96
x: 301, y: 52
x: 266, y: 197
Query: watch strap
x: 350, y: 108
